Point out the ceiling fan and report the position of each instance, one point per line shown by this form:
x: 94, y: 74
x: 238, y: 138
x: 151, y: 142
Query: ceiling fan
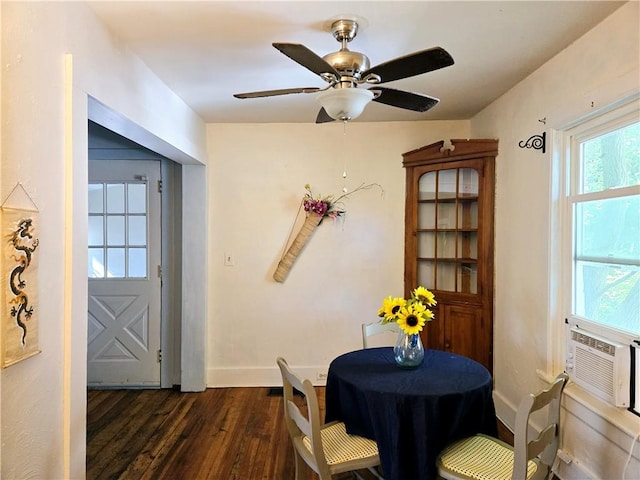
x: 346, y: 70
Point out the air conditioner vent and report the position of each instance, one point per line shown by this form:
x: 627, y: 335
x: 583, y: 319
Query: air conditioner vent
x: 595, y: 343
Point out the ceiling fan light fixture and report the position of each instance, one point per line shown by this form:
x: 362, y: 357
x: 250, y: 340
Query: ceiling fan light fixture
x: 344, y: 103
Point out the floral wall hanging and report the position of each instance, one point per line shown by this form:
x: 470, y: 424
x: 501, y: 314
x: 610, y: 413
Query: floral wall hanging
x: 316, y: 208
x: 20, y: 279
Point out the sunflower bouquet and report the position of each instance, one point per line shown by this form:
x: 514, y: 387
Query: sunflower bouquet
x: 411, y: 314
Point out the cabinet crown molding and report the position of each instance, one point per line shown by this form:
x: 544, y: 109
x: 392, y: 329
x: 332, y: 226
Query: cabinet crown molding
x: 460, y: 149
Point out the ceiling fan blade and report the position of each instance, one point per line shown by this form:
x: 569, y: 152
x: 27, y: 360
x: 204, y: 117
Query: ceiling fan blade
x: 273, y: 93
x: 413, y: 64
x: 323, y: 117
x: 406, y: 100
x: 305, y: 57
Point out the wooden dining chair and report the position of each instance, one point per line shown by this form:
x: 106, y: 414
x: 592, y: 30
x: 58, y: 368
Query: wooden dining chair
x: 377, y: 328
x: 482, y: 457
x: 327, y: 449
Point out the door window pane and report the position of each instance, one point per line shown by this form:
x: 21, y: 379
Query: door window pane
x: 96, y: 230
x: 96, y: 198
x: 137, y: 198
x: 96, y: 263
x: 137, y: 262
x: 115, y: 230
x: 137, y: 230
x: 115, y: 198
x: 115, y: 263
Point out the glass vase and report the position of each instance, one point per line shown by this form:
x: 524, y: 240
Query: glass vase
x: 408, y: 351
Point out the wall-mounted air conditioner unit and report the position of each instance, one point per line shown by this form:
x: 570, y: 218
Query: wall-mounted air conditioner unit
x: 600, y: 366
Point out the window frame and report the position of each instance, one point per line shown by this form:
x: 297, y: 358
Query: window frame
x: 572, y: 138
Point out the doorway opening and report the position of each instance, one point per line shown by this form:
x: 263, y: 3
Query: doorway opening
x: 134, y: 245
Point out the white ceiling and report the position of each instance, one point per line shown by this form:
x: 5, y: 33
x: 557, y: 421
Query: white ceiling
x: 206, y: 51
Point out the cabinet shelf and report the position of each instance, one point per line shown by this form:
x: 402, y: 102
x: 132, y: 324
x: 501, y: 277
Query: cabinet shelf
x: 448, y: 199
x: 447, y: 230
x: 448, y: 260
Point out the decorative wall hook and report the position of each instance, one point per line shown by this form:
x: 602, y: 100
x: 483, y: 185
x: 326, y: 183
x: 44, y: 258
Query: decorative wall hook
x: 537, y: 142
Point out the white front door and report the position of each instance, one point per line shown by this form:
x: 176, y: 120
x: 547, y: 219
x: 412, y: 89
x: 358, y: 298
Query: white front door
x: 124, y: 274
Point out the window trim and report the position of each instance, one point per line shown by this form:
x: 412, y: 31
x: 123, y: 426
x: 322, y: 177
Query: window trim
x: 571, y: 138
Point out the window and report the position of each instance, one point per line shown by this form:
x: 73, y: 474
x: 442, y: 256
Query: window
x: 603, y: 210
x: 117, y: 230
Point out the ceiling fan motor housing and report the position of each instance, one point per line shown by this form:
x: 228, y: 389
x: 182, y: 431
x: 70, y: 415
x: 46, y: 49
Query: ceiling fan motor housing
x: 348, y: 63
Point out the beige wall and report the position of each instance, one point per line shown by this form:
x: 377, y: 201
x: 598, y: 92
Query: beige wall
x: 256, y: 179
x: 44, y: 146
x: 257, y: 175
x: 597, y: 70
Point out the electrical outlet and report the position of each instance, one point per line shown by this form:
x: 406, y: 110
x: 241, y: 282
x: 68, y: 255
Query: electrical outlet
x: 321, y: 375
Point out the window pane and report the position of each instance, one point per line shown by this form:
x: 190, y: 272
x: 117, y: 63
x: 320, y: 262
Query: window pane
x: 115, y: 262
x: 426, y: 245
x: 115, y: 230
x: 426, y: 274
x: 137, y: 230
x: 96, y: 231
x: 446, y: 215
x: 468, y: 182
x: 446, y: 247
x: 427, y: 186
x: 611, y: 160
x: 115, y: 198
x: 467, y: 214
x: 137, y: 262
x: 447, y: 183
x: 468, y: 278
x: 426, y: 215
x: 137, y: 198
x: 96, y: 198
x: 446, y: 276
x: 608, y: 294
x: 609, y: 229
x: 96, y: 263
x: 468, y: 245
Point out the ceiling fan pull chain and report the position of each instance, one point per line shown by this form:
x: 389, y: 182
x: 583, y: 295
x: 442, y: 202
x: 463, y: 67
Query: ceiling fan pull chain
x: 344, y: 157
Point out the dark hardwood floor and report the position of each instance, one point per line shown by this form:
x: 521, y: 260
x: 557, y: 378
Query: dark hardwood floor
x: 219, y: 434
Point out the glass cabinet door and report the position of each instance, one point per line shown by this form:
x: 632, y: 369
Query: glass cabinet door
x: 447, y: 233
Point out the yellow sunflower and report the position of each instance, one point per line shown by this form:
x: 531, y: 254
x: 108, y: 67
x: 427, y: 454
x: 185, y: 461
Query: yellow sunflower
x: 424, y: 296
x: 412, y: 318
x: 390, y: 308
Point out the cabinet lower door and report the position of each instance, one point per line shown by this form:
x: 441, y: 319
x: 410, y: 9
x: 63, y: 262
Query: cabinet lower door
x: 463, y: 330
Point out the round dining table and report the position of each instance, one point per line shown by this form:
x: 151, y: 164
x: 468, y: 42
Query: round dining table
x: 411, y: 414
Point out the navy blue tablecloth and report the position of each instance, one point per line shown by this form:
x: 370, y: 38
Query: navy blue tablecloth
x: 412, y: 414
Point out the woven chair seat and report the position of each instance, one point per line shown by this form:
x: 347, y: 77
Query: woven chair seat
x: 340, y: 447
x: 482, y: 458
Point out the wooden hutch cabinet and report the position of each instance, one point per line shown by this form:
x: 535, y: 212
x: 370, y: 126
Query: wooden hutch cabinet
x: 449, y: 242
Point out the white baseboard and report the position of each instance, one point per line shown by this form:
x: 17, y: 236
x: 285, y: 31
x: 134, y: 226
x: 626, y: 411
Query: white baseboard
x: 260, y: 377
